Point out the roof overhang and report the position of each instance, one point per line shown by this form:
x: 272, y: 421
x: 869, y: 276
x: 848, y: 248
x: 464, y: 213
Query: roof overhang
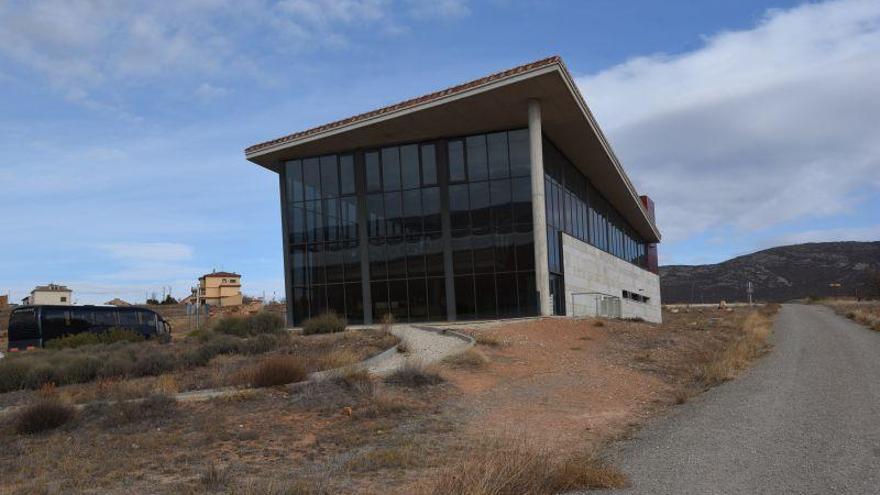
x: 493, y: 103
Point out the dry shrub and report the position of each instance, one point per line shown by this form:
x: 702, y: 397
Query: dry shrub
x: 751, y: 343
x: 519, y: 469
x: 487, y: 340
x: 339, y: 358
x: 470, y: 359
x: 278, y: 370
x: 403, y: 346
x: 328, y: 322
x: 382, y: 403
x: 598, y: 323
x: 215, y: 478
x: 414, y: 375
x: 388, y: 321
x: 407, y: 455
x: 153, y: 407
x: 166, y: 385
x: 46, y: 413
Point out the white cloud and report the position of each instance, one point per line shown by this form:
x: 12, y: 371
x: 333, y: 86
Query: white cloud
x: 207, y: 92
x: 443, y: 9
x: 149, y: 251
x: 755, y: 128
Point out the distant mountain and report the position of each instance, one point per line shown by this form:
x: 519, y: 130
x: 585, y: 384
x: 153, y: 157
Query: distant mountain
x: 777, y: 274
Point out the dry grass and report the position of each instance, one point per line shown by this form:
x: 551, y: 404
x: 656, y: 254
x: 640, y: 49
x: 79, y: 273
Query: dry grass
x: 738, y: 354
x: 278, y: 370
x: 598, y: 323
x: 518, y: 468
x: 471, y: 359
x: 47, y: 413
x: 866, y: 313
x: 415, y: 375
x: 403, y: 456
x: 488, y: 340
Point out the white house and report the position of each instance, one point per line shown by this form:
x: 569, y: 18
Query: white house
x: 49, y: 294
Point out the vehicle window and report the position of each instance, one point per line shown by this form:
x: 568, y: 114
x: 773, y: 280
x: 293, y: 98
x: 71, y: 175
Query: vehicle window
x: 105, y: 318
x: 148, y: 321
x: 81, y: 319
x: 54, y: 323
x: 128, y: 319
x: 23, y: 325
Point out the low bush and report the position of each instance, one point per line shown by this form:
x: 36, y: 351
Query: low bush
x: 155, y: 406
x: 328, y: 322
x: 44, y: 414
x: 520, y: 469
x: 261, y: 323
x: 469, y: 359
x: 91, y: 338
x: 278, y: 370
x: 414, y: 375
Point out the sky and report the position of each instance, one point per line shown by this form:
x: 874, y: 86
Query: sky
x: 122, y: 124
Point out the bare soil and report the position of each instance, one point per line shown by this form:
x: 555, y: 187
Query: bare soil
x: 565, y: 384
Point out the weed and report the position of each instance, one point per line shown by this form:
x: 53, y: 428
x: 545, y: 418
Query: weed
x: 44, y: 414
x: 598, y: 323
x: 414, y: 375
x: 487, y: 340
x: 278, y: 370
x: 328, y: 322
x: 215, y: 478
x: 407, y: 455
x: 469, y: 359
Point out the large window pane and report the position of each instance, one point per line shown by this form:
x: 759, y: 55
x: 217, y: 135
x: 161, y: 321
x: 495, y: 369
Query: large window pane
x: 437, y: 298
x: 293, y: 176
x: 521, y: 194
x: 300, y: 303
x: 379, y: 297
x: 484, y: 253
x: 336, y: 299
x: 398, y: 300
x: 505, y: 250
x: 434, y: 254
x: 298, y: 265
x: 391, y: 168
x: 519, y: 152
x: 316, y: 263
x: 396, y: 251
x: 418, y: 299
x: 456, y: 162
x: 479, y: 197
x: 318, y: 300
x: 375, y: 215
x: 527, y: 294
x: 485, y: 292
x: 462, y: 256
x: 409, y: 164
x: 296, y: 224
x: 465, y: 307
x: 429, y: 165
x: 497, y: 146
x: 354, y: 303
x: 459, y: 206
x: 329, y: 176
x: 394, y: 213
x: 476, y: 158
x: 352, y: 260
x: 374, y: 173
x: 378, y: 260
x: 415, y: 256
x: 507, y: 295
x: 312, y: 178
x: 502, y: 211
x: 525, y: 247
x: 431, y: 209
x: 333, y: 261
x: 412, y: 211
x: 346, y: 175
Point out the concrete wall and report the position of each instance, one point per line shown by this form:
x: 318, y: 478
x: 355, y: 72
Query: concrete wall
x: 589, y: 269
x: 51, y: 297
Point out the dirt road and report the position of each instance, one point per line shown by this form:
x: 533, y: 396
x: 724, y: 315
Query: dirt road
x: 805, y: 420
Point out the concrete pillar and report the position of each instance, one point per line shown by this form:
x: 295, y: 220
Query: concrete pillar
x: 539, y: 216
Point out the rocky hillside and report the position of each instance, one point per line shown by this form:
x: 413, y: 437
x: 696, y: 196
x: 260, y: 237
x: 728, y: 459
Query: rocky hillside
x: 777, y: 274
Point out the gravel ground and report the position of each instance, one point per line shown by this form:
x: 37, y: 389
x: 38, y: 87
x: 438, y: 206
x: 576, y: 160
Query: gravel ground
x: 805, y: 420
x: 423, y: 346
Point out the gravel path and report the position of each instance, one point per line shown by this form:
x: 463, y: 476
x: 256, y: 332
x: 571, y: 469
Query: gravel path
x: 805, y: 420
x: 424, y: 345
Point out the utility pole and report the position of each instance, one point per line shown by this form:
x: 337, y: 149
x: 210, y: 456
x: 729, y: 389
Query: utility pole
x: 749, y: 291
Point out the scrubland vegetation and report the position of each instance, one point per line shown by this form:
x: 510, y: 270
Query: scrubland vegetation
x: 866, y: 313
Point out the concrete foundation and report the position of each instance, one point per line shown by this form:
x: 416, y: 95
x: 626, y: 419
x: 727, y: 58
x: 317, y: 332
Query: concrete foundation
x: 590, y: 271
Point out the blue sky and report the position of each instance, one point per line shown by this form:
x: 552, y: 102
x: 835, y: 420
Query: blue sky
x: 122, y: 124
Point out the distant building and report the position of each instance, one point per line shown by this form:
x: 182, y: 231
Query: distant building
x: 4, y: 301
x: 220, y: 289
x: 49, y: 294
x: 117, y: 302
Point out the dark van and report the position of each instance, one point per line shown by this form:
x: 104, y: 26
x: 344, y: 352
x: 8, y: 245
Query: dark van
x: 33, y: 326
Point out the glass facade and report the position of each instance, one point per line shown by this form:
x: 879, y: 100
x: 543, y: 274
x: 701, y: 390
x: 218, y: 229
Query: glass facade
x: 418, y: 219
x: 575, y: 207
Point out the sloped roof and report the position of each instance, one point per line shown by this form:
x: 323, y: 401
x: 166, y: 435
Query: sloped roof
x: 51, y: 288
x: 220, y: 274
x: 412, y: 102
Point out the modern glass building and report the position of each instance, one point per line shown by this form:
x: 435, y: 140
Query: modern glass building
x: 459, y: 205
